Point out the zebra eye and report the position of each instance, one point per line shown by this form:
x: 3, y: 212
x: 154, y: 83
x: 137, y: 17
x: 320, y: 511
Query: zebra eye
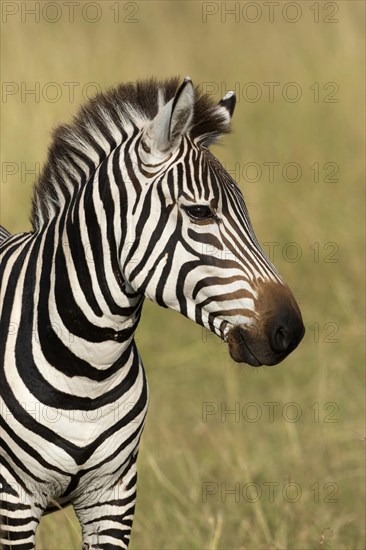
x: 199, y: 212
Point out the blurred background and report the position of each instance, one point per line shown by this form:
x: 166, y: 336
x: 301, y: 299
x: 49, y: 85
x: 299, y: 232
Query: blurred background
x: 231, y: 457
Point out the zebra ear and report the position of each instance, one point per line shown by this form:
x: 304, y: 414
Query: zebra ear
x: 182, y: 110
x: 228, y: 104
x: 172, y: 121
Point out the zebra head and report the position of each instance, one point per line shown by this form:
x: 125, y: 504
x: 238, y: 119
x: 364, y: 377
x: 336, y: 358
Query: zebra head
x: 190, y: 245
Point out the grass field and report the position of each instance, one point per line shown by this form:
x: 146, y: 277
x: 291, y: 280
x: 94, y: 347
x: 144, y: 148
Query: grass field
x: 285, y: 470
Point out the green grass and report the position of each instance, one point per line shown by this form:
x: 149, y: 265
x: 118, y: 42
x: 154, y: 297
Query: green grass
x: 187, y: 369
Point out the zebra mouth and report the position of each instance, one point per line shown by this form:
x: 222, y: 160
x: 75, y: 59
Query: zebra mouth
x: 238, y: 349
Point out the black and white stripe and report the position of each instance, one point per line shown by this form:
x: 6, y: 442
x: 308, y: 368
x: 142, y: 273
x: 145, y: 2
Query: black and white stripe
x: 131, y: 203
x: 4, y: 234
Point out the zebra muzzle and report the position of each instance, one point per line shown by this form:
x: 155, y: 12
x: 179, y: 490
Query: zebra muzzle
x: 278, y: 331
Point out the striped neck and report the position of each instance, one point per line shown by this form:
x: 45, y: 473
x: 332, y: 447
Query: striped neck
x: 96, y: 310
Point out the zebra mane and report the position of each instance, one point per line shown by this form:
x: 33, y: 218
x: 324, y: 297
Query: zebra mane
x: 102, y: 124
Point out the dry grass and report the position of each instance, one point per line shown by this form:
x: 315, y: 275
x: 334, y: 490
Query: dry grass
x: 180, y: 452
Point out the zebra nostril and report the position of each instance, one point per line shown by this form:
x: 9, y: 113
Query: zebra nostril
x: 287, y: 333
x: 281, y: 339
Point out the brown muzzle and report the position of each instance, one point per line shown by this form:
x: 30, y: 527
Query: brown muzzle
x: 277, y: 331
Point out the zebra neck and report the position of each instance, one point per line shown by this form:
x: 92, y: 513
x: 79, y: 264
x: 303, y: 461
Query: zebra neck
x: 90, y: 308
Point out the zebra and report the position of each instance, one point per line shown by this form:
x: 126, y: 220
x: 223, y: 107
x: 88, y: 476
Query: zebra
x: 130, y: 204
